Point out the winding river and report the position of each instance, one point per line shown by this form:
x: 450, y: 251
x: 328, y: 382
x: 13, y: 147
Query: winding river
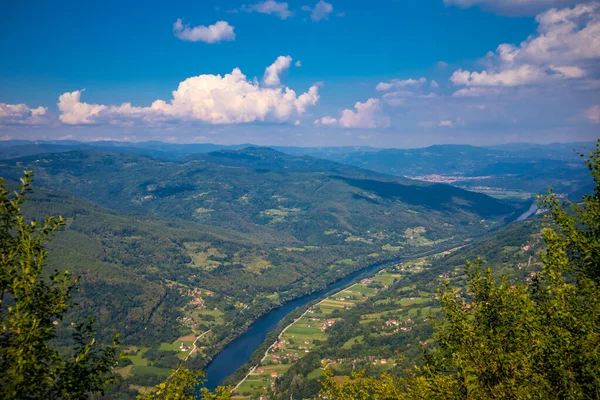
x: 238, y: 352
x: 531, y: 211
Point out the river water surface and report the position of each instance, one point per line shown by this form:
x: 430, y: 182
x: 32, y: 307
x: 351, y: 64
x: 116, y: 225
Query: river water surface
x: 238, y: 352
x: 531, y: 211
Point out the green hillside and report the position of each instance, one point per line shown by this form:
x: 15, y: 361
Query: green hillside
x: 174, y: 253
x: 390, y: 323
x: 503, y: 171
x: 270, y: 195
x: 135, y: 270
x: 506, y: 171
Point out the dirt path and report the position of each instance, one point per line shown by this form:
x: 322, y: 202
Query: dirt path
x: 194, y: 344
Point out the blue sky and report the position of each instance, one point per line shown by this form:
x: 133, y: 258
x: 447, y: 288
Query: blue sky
x: 385, y: 73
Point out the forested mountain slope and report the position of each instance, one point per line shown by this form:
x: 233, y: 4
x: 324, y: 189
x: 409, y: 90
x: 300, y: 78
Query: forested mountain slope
x: 209, y: 243
x: 523, y: 168
x: 135, y: 269
x: 514, y: 170
x: 260, y: 191
x: 386, y: 330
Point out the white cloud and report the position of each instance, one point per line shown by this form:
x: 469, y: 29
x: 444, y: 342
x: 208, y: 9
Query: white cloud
x: 513, y: 7
x: 365, y: 115
x: 395, y: 101
x: 220, y: 31
x: 593, y: 114
x: 565, y: 36
x: 320, y: 11
x: 398, y: 83
x: 397, y: 98
x: 270, y: 7
x: 478, y: 107
x: 110, y: 139
x: 441, y: 64
x: 326, y: 121
x: 273, y: 71
x: 214, y: 99
x: 74, y: 112
x: 398, y: 90
x: 22, y: 114
x: 517, y: 76
x: 446, y: 123
x: 524, y: 74
x: 476, y: 92
x: 298, y: 63
x: 566, y: 46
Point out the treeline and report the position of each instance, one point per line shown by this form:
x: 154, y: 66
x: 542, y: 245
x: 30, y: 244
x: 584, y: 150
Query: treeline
x: 374, y: 340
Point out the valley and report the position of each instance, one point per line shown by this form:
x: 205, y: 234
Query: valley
x: 381, y: 323
x: 182, y: 257
x: 516, y: 171
x: 309, y: 199
x: 197, y: 259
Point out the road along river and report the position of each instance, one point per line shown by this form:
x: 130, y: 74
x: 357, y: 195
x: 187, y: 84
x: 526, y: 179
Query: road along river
x: 238, y: 352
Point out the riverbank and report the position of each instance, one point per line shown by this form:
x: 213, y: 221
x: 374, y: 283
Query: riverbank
x: 531, y: 211
x: 239, y: 351
x: 304, y: 334
x: 271, y: 347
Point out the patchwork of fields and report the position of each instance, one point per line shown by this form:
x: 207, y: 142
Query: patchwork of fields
x: 143, y: 364
x: 307, y: 332
x: 376, y: 324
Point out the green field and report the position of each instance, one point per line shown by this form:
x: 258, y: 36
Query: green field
x: 298, y: 339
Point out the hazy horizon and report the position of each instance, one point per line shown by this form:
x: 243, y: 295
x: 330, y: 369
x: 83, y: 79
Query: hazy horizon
x: 294, y: 146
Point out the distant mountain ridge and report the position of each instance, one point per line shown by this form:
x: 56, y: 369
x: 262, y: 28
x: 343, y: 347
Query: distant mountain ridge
x: 245, y: 224
x: 251, y: 187
x: 166, y: 242
x: 174, y: 150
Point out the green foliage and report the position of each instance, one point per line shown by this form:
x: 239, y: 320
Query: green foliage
x: 29, y: 306
x: 539, y: 339
x: 182, y: 384
x: 505, y: 171
x: 278, y: 229
x: 362, y: 336
x: 275, y: 197
x: 359, y: 387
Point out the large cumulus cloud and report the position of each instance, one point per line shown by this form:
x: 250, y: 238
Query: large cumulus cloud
x: 368, y: 115
x: 214, y: 99
x: 513, y: 7
x: 22, y: 114
x: 566, y: 46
